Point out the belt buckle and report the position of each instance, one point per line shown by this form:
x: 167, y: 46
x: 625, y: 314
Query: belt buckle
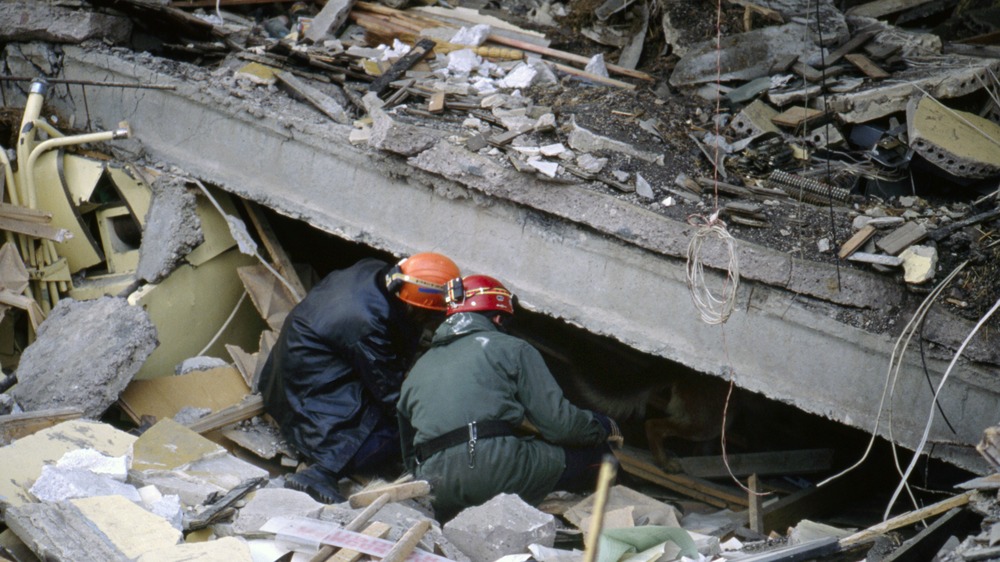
x: 473, y: 435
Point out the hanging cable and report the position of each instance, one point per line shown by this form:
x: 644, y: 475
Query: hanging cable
x: 930, y: 418
x: 713, y: 308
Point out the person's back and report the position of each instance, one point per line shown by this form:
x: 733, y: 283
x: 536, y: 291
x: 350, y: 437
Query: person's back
x: 474, y: 372
x: 332, y: 378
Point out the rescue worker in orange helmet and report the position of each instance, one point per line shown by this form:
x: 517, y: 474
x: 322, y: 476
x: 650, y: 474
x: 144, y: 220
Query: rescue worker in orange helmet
x: 332, y: 379
x: 465, y: 398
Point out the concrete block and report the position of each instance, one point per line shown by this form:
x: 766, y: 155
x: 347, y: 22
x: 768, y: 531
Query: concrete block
x: 919, y: 264
x: 85, y: 355
x: 167, y: 507
x: 28, y: 20
x: 961, y: 143
x: 583, y: 140
x: 272, y: 502
x: 226, y: 549
x: 504, y: 525
x: 22, y: 461
x: 399, y: 138
x: 173, y: 224
x: 58, y: 484
x: 108, y: 528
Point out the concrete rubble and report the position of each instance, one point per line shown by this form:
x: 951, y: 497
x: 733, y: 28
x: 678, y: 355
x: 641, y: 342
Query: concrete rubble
x: 853, y: 160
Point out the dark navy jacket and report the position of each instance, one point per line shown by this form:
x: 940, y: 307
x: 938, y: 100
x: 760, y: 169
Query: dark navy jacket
x: 338, y: 364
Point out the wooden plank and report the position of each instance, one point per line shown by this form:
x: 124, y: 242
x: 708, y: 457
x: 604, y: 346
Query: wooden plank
x: 956, y: 522
x: 796, y: 116
x: 329, y: 19
x: 252, y: 406
x: 318, y: 99
x: 280, y: 259
x: 573, y: 71
x: 756, y: 509
x: 268, y: 293
x: 16, y: 426
x: 902, y: 238
x: 376, y: 529
x: 804, y: 461
x: 866, y: 65
x: 860, y: 38
x: 856, y: 241
x: 436, y: 103
x: 701, y: 490
x: 396, y: 492
x: 35, y: 229
x: 907, y: 519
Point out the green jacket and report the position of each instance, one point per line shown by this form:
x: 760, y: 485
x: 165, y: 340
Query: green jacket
x: 475, y: 372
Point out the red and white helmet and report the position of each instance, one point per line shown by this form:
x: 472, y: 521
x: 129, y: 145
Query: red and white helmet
x: 478, y: 293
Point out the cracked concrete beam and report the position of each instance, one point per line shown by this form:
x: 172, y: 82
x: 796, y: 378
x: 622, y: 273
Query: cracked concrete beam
x: 31, y: 20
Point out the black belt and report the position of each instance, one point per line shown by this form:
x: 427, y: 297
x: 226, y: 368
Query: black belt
x: 467, y: 434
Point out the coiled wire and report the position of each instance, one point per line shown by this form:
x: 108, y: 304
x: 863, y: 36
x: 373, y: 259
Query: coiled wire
x: 713, y: 308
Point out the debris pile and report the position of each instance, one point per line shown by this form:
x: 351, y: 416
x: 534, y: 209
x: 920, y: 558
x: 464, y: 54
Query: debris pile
x: 833, y: 136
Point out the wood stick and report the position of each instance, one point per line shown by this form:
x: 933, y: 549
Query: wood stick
x: 609, y: 468
x: 407, y: 542
x: 571, y: 57
x: 592, y: 77
x: 396, y: 492
x: 907, y: 518
x: 359, y: 521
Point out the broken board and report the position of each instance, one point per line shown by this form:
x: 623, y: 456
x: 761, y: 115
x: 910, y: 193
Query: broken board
x: 215, y: 389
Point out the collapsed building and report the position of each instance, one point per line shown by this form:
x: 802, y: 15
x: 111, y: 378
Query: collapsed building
x: 795, y: 208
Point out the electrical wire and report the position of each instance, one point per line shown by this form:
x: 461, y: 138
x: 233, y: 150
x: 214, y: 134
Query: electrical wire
x: 930, y: 418
x: 890, y: 377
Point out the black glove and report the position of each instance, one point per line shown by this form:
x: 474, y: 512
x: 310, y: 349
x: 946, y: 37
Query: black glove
x: 615, y: 438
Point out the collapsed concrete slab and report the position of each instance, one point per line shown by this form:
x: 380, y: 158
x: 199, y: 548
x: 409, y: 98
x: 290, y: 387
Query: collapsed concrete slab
x: 85, y: 355
x: 572, y: 253
x: 961, y: 143
x: 26, y: 20
x: 174, y: 225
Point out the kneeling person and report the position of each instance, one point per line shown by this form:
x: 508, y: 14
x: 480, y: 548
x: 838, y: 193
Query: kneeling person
x: 462, y: 402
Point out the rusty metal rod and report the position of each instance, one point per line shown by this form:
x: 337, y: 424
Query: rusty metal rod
x: 4, y: 78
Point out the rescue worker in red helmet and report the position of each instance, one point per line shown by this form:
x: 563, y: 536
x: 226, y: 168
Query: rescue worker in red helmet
x: 332, y: 378
x: 463, y: 401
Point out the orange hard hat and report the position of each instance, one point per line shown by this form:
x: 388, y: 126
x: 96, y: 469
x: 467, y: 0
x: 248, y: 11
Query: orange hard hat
x: 420, y: 279
x: 479, y: 293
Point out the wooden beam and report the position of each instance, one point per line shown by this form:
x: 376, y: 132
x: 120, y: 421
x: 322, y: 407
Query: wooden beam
x: 318, y: 99
x: 396, y: 492
x: 907, y: 519
x: 423, y: 48
x: 279, y: 257
x: 252, y: 406
x: 16, y: 426
x: 805, y: 461
x: 631, y: 461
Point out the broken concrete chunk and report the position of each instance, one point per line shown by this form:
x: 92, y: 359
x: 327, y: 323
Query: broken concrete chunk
x: 504, y: 525
x: 643, y: 188
x: 96, y: 462
x: 172, y: 227
x: 961, y: 143
x: 272, y: 502
x: 521, y: 76
x: 472, y: 36
x: 744, y: 56
x: 399, y: 138
x: 27, y: 20
x: 85, y: 355
x: 544, y: 166
x: 91, y: 529
x: 583, y: 140
x: 919, y: 264
x: 58, y: 484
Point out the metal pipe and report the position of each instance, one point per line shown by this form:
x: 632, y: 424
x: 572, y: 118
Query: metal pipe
x: 48, y: 128
x: 44, y: 146
x: 25, y: 143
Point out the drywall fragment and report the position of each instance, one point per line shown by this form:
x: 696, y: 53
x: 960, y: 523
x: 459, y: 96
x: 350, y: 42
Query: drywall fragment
x: 85, y: 355
x: 58, y: 484
x: 163, y: 397
x: 919, y: 264
x: 400, y: 138
x: 173, y: 228
x: 504, y: 525
x: 226, y: 549
x: 643, y: 188
x: 961, y: 143
x: 109, y: 528
x: 22, y: 460
x: 273, y: 502
x: 179, y: 461
x: 28, y: 20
